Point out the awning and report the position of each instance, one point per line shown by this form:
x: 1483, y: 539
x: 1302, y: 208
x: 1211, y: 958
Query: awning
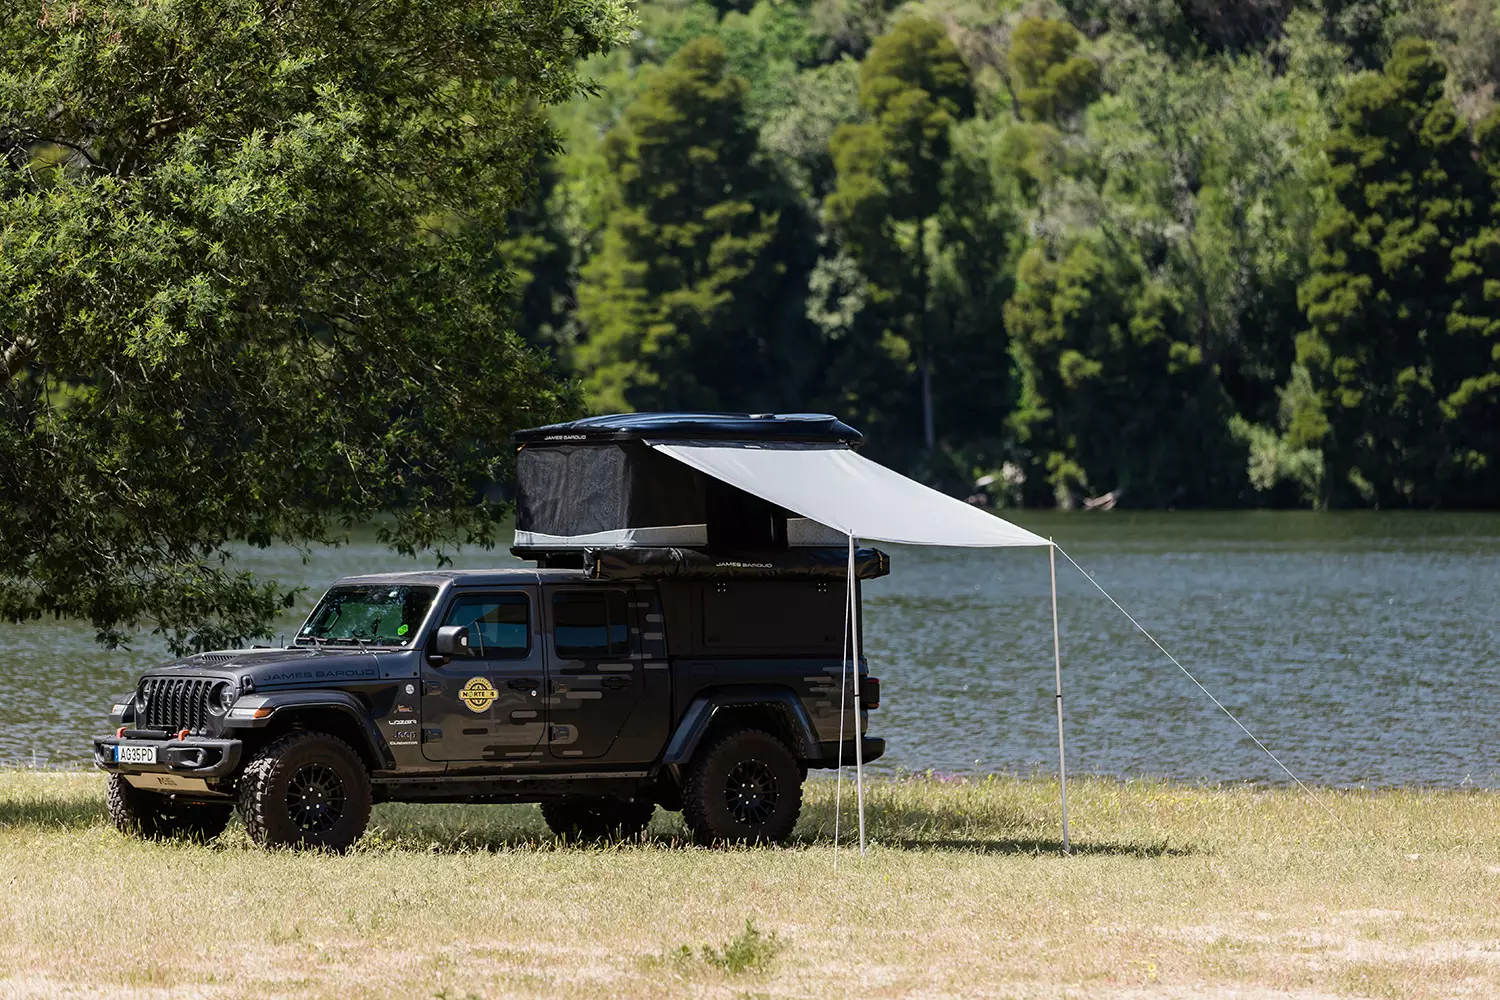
x: 837, y: 486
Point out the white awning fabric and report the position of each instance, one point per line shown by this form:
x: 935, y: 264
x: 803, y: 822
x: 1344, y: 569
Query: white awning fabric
x: 839, y: 487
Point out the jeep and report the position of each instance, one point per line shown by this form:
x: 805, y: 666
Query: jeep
x: 710, y: 691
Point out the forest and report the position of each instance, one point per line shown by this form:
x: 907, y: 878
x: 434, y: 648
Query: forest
x: 269, y: 272
x: 1157, y: 253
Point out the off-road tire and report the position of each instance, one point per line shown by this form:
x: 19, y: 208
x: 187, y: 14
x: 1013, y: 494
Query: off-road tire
x: 590, y: 818
x: 163, y: 817
x: 306, y: 790
x: 744, y: 788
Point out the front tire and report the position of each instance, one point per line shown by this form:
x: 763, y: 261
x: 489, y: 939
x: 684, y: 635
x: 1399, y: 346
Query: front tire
x: 598, y: 817
x: 308, y: 791
x: 744, y: 788
x: 163, y: 817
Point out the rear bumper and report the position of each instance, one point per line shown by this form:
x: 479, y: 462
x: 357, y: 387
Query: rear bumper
x: 873, y: 746
x: 193, y: 757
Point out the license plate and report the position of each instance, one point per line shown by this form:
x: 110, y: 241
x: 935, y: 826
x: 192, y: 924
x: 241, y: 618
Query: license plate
x: 135, y: 755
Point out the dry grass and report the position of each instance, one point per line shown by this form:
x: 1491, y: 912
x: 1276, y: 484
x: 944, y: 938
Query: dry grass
x: 1175, y: 892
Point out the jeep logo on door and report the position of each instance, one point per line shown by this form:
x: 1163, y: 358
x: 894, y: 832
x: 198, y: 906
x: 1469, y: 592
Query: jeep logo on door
x: 478, y: 694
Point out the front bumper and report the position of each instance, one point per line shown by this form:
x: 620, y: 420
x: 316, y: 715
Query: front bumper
x: 196, y: 757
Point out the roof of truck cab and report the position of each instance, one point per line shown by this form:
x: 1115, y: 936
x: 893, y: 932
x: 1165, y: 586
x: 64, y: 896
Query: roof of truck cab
x: 468, y: 577
x: 802, y: 427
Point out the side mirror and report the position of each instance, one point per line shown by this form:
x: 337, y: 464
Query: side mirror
x: 450, y: 641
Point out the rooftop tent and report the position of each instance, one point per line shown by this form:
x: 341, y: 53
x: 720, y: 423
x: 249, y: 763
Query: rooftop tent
x: 597, y: 483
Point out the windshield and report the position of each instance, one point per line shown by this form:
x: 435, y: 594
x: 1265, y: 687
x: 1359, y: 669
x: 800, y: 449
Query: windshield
x: 389, y: 616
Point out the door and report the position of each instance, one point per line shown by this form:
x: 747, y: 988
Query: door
x: 488, y: 705
x: 594, y: 677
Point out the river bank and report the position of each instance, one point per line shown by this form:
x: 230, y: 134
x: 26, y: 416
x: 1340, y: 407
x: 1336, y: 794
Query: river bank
x: 1174, y: 891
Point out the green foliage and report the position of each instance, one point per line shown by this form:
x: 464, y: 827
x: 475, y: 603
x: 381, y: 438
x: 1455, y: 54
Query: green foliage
x: 892, y: 179
x: 1050, y: 79
x: 1279, y: 467
x: 680, y: 302
x: 1402, y: 344
x: 247, y: 290
x: 748, y: 951
x: 258, y: 270
x: 1031, y: 216
x: 1115, y: 396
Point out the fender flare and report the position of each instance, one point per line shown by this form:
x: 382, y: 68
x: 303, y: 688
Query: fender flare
x: 284, y: 702
x: 701, y: 711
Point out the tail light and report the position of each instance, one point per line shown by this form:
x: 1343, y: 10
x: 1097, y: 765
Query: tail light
x: 871, y: 693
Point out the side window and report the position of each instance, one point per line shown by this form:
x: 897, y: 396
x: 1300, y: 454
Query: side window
x: 499, y: 624
x: 589, y: 624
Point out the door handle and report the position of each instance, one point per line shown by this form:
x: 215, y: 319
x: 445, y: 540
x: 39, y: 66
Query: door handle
x: 521, y: 684
x: 614, y: 683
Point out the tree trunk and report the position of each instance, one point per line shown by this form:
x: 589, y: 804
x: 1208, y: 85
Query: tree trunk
x: 924, y: 362
x: 929, y: 433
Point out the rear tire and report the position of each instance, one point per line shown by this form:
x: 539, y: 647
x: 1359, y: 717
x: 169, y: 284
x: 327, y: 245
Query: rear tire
x: 308, y: 791
x: 163, y: 817
x: 598, y: 818
x: 745, y: 788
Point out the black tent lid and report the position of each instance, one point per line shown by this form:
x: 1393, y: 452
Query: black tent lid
x: 810, y: 427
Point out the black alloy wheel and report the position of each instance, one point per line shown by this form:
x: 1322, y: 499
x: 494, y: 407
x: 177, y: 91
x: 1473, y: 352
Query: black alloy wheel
x: 745, y: 787
x: 315, y: 798
x: 750, y: 791
x: 307, y: 790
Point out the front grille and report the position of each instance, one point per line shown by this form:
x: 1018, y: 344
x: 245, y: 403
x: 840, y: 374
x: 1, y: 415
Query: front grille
x: 176, y: 703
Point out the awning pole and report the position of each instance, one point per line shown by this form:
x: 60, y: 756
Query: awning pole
x: 859, y: 740
x: 1062, y: 756
x: 838, y: 787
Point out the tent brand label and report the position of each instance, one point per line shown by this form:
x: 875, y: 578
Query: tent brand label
x: 478, y: 694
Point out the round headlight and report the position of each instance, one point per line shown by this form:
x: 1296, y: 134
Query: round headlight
x: 226, y: 695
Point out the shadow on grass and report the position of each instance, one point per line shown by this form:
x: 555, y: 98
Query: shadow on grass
x: 491, y: 841
x: 1039, y: 848
x: 50, y: 814
x: 914, y: 830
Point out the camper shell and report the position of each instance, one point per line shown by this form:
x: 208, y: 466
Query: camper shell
x: 680, y: 643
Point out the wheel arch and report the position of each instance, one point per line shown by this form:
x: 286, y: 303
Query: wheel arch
x: 336, y: 713
x: 777, y: 710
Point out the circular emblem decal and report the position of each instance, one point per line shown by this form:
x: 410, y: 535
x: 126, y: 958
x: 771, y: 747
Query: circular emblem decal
x: 478, y: 694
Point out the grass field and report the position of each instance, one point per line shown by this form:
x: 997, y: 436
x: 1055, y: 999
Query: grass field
x: 1173, y: 892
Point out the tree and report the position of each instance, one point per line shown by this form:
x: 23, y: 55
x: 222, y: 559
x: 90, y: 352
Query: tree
x: 913, y: 87
x: 686, y: 301
x: 1115, y: 396
x: 1048, y: 77
x: 246, y: 288
x: 1401, y: 344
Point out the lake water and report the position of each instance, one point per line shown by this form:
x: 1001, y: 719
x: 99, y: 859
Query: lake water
x: 1362, y: 648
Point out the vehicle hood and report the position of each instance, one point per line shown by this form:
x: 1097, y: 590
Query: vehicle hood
x: 295, y: 666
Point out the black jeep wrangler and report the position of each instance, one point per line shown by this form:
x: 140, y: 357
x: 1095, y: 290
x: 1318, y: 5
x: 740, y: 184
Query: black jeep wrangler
x: 605, y: 682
